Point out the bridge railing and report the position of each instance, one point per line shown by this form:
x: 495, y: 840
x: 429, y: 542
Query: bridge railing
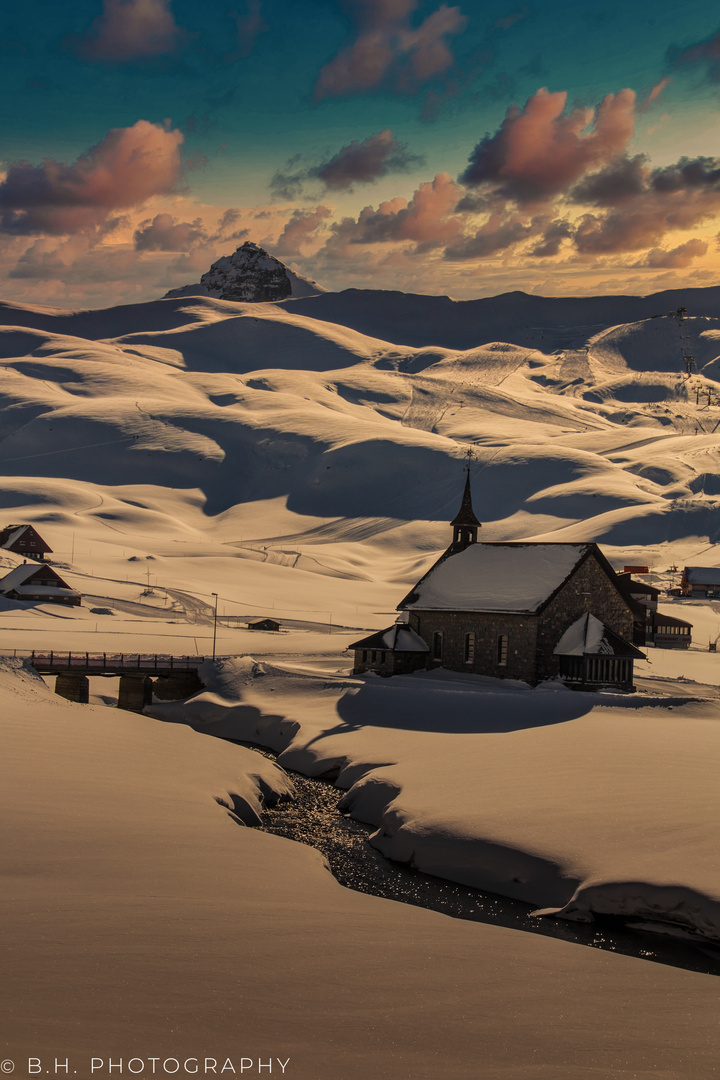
x: 62, y: 661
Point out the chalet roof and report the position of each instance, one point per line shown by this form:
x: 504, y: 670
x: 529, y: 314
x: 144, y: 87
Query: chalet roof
x: 465, y: 515
x: 702, y: 575
x: 22, y: 575
x: 637, y: 588
x: 510, y: 577
x: 589, y: 637
x: 398, y: 638
x: 10, y: 534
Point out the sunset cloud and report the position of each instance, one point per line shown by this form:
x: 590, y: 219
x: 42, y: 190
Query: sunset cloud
x: 130, y: 30
x: 679, y: 257
x: 301, y: 230
x: 164, y: 233
x: 427, y: 220
x: 388, y: 48
x: 541, y: 150
x: 127, y: 167
x: 675, y: 197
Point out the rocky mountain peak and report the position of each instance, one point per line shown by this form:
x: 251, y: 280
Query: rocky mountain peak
x: 250, y: 275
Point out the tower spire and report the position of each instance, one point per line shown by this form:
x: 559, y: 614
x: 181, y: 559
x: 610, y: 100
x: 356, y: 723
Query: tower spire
x: 465, y: 524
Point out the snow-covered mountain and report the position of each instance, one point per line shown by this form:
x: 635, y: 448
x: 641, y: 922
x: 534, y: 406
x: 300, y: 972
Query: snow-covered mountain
x: 250, y: 275
x: 255, y: 432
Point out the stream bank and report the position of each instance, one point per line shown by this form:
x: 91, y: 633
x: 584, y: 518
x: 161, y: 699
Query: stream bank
x: 313, y: 819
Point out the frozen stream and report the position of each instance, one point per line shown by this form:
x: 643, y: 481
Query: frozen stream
x: 313, y: 818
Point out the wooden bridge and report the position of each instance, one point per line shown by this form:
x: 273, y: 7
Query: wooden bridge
x: 50, y: 663
x: 174, y: 676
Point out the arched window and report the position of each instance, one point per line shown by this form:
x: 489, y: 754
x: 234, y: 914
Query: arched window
x: 502, y: 649
x: 437, y: 645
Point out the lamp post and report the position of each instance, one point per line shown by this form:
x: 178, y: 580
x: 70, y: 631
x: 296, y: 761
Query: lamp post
x: 214, y: 623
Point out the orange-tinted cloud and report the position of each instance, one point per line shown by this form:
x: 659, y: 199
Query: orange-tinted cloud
x: 656, y: 92
x: 678, y: 196
x: 679, y: 257
x: 126, y: 168
x: 164, y: 233
x: 541, y: 150
x: 301, y: 230
x: 131, y: 30
x: 388, y: 47
x: 427, y: 220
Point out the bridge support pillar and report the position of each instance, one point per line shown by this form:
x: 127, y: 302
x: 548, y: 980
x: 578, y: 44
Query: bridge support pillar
x: 73, y: 687
x: 135, y: 691
x: 178, y: 686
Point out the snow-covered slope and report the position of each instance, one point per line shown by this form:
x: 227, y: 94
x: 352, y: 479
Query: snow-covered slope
x: 229, y: 404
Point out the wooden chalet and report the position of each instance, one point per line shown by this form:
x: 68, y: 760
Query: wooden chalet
x: 24, y: 540
x: 38, y: 584
x: 526, y: 611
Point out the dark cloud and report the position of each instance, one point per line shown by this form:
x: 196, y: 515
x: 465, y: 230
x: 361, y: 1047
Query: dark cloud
x: 495, y: 235
x: 512, y: 17
x: 364, y: 162
x: 249, y: 26
x: 622, y: 180
x: 130, y: 30
x: 126, y: 168
x: 388, y: 50
x: 541, y: 150
x: 703, y: 56
x: 651, y: 204
x: 357, y: 163
x: 287, y: 183
x: 553, y: 236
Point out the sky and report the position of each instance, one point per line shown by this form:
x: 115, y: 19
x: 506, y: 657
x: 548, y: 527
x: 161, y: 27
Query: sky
x: 459, y: 148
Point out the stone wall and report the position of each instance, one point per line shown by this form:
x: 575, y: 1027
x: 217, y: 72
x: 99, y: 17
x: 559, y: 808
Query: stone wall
x: 521, y: 633
x: 588, y: 589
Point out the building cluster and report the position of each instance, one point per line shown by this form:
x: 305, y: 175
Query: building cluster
x: 527, y: 611
x: 36, y: 580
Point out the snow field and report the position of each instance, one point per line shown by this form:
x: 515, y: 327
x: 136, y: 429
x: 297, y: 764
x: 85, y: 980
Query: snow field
x: 146, y: 922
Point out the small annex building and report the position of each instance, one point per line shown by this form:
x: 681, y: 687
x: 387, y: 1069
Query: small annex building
x: 700, y: 582
x: 264, y: 624
x: 24, y: 540
x: 395, y: 651
x: 38, y: 584
x: 518, y: 610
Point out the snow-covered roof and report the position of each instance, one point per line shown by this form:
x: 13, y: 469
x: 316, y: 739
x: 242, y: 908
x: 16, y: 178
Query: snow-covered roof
x: 45, y: 590
x: 587, y: 636
x: 702, y: 575
x: 398, y: 638
x: 20, y: 574
x: 496, y: 577
x: 14, y: 536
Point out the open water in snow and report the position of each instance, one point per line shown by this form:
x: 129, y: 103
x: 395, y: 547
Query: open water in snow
x: 313, y: 818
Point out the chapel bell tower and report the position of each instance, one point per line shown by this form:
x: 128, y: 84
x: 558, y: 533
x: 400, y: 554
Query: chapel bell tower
x: 465, y: 524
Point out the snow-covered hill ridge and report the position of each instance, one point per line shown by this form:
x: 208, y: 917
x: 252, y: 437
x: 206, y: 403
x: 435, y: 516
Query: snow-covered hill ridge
x: 251, y: 428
